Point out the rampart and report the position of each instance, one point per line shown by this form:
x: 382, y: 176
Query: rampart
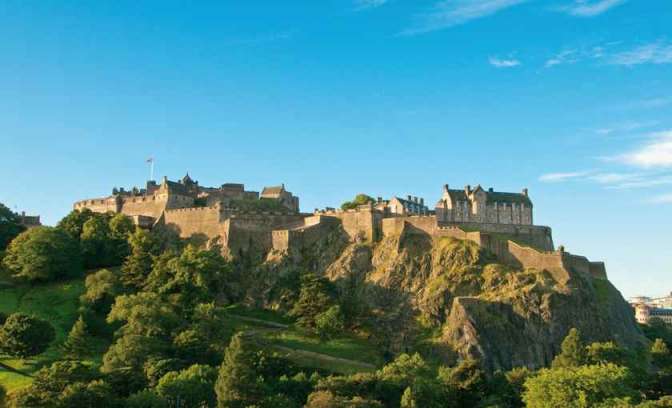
x: 303, y: 235
x: 364, y: 222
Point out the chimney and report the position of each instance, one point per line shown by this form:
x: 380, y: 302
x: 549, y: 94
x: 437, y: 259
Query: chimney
x: 379, y: 199
x: 415, y: 199
x: 409, y: 198
x: 491, y: 190
x: 445, y: 188
x: 422, y: 201
x: 525, y: 192
x: 467, y: 189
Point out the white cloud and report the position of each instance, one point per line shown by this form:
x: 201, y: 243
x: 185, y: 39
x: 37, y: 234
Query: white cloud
x: 560, y: 177
x: 612, y: 178
x: 643, y: 181
x: 626, y: 127
x: 662, y: 199
x: 654, y: 53
x: 367, y: 4
x: 449, y: 13
x: 655, y: 153
x: 504, y: 63
x: 586, y: 8
x: 564, y: 57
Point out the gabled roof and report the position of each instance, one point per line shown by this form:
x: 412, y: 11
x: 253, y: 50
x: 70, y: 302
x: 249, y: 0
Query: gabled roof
x: 272, y: 191
x: 509, y: 198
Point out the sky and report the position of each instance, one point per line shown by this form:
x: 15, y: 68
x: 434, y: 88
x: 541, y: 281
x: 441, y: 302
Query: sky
x: 570, y: 98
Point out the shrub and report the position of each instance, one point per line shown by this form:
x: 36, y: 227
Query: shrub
x: 43, y: 254
x: 25, y: 336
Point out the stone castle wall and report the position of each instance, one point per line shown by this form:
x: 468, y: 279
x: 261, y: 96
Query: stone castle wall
x: 361, y: 223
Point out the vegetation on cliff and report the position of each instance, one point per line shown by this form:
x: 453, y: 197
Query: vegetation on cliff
x: 410, y: 321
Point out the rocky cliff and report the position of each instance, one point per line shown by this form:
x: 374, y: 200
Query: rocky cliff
x: 451, y: 298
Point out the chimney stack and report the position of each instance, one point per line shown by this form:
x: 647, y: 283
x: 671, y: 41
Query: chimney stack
x: 409, y: 198
x: 491, y: 190
x: 445, y: 188
x: 467, y: 189
x: 422, y: 201
x: 525, y: 192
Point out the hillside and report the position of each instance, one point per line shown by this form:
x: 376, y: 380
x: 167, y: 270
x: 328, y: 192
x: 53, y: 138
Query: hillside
x: 449, y: 298
x: 55, y: 302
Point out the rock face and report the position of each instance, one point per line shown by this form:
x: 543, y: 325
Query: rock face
x: 475, y: 305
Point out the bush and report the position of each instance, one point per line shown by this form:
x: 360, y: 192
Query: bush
x: 10, y: 226
x: 582, y: 386
x: 360, y: 199
x: 330, y: 323
x: 43, y: 254
x: 25, y: 336
x: 146, y: 399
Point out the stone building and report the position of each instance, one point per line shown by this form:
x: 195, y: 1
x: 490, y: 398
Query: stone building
x: 483, y: 206
x: 29, y: 221
x: 149, y: 203
x: 283, y: 196
x: 399, y: 206
x: 647, y: 308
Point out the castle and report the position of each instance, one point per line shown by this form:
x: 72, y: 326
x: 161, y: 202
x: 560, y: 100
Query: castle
x: 241, y: 220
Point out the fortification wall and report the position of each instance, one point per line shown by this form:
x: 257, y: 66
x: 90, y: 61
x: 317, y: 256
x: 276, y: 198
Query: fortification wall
x: 194, y: 221
x: 149, y: 206
x: 361, y: 223
x: 98, y: 205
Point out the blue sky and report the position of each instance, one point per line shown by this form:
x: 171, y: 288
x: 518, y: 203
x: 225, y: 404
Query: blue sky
x: 570, y: 98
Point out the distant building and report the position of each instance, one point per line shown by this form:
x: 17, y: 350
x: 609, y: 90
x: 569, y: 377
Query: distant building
x: 483, y: 206
x: 399, y: 206
x: 29, y: 221
x: 647, y: 308
x: 283, y: 196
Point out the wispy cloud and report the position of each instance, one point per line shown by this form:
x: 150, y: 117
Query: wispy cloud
x: 563, y: 57
x: 565, y: 176
x: 628, y: 126
x: 662, y: 199
x: 504, y: 62
x: 655, y: 53
x: 368, y: 4
x: 587, y: 8
x: 449, y: 13
x: 655, y: 153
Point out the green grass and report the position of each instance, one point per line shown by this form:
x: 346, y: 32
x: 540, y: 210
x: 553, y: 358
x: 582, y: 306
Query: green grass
x: 344, y: 347
x: 261, y: 314
x: 55, y: 302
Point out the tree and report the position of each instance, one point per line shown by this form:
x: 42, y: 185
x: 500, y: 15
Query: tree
x: 360, y: 199
x: 25, y: 336
x: 94, y: 394
x: 10, y: 226
x: 146, y: 399
x: 315, y: 298
x: 196, y: 276
x: 407, y: 400
x: 190, y: 388
x: 3, y: 396
x: 583, y: 386
x: 43, y: 254
x: 73, y: 223
x: 78, y: 344
x: 49, y: 382
x: 467, y: 379
x: 329, y: 324
x: 138, y: 265
x: 101, y: 289
x: 236, y: 385
x: 96, y: 242
x: 573, y: 352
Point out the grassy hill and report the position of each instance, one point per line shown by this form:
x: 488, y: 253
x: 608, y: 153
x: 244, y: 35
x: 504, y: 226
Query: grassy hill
x: 58, y: 303
x: 55, y: 302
